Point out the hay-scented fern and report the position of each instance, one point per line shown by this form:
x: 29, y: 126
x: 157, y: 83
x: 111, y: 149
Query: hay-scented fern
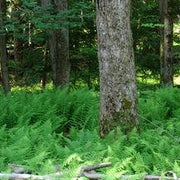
x: 34, y: 133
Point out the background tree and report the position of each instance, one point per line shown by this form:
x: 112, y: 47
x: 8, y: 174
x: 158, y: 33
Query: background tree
x: 118, y: 94
x: 27, y: 24
x: 17, y: 17
x: 59, y: 48
x: 59, y: 43
x: 3, y: 51
x: 166, y: 44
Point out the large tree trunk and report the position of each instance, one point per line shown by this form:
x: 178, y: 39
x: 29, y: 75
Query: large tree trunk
x: 3, y: 51
x: 166, y: 61
x: 59, y: 47
x: 118, y: 93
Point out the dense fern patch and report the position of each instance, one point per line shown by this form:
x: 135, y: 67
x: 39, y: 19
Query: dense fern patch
x: 42, y: 129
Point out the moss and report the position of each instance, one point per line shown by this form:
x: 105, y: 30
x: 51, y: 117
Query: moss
x: 121, y: 119
x: 126, y: 103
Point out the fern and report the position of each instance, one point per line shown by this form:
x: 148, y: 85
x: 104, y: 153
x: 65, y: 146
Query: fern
x: 42, y: 129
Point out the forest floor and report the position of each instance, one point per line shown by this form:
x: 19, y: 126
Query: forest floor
x: 45, y: 129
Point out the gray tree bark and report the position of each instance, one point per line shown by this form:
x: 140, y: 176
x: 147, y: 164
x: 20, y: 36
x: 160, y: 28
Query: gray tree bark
x: 166, y: 61
x: 59, y: 46
x: 3, y: 51
x: 118, y: 92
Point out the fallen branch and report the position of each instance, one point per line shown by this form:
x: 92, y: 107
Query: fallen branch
x: 90, y: 175
x: 97, y: 176
x: 93, y: 175
x: 149, y: 177
x: 87, y: 171
x: 29, y: 176
x: 16, y: 168
x: 98, y: 166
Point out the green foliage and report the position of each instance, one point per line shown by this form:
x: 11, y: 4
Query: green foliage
x: 84, y: 66
x: 43, y: 129
x: 83, y: 45
x: 161, y: 105
x: 62, y: 108
x: 145, y: 27
x: 27, y: 21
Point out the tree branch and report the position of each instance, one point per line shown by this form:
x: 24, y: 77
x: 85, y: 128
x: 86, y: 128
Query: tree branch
x: 87, y: 171
x: 30, y: 176
x: 98, y: 166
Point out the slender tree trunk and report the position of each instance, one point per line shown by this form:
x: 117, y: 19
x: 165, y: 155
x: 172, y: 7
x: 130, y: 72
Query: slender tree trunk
x: 118, y: 94
x: 62, y: 40
x: 44, y: 73
x: 52, y: 42
x: 166, y: 44
x: 89, y: 74
x: 59, y: 47
x: 18, y: 45
x: 1, y: 83
x: 3, y: 51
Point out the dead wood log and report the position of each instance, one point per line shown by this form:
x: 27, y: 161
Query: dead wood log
x: 98, y: 166
x: 90, y: 175
x: 97, y: 176
x: 87, y: 171
x: 30, y: 176
x: 148, y: 177
x: 93, y: 175
x: 16, y: 168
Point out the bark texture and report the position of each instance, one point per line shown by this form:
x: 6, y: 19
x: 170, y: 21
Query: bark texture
x: 59, y: 46
x: 166, y: 60
x: 118, y: 96
x: 3, y: 51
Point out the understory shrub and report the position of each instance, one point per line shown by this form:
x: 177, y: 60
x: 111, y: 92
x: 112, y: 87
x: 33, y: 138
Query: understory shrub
x: 63, y: 109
